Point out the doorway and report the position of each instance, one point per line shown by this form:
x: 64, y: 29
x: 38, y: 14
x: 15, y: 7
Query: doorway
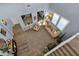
x: 27, y: 19
x: 40, y: 15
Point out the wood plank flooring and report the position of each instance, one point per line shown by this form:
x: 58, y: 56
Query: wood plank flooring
x: 31, y: 43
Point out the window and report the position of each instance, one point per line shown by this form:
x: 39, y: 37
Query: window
x: 62, y: 23
x: 55, y: 19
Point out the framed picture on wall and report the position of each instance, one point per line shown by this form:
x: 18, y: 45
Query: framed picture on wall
x: 3, y: 32
x: 3, y: 21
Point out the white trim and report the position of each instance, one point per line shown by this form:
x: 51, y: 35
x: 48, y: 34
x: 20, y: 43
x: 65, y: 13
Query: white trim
x: 6, y: 28
x: 61, y: 44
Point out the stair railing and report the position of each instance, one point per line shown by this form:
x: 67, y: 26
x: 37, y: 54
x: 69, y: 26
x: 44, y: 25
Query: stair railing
x: 61, y: 44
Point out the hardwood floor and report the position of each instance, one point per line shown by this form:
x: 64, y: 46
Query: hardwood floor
x: 31, y: 43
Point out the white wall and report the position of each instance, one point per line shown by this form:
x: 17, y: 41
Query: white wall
x: 35, y: 7
x: 12, y: 11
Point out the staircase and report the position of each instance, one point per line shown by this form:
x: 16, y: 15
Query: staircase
x: 65, y: 50
x: 69, y: 47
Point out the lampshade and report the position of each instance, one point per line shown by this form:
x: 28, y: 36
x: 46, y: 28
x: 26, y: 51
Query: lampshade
x: 50, y: 15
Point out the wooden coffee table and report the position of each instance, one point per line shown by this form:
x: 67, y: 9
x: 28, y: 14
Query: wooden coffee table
x: 36, y: 27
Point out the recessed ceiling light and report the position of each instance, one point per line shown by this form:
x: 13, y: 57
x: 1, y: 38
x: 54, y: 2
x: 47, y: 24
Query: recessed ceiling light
x: 28, y: 5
